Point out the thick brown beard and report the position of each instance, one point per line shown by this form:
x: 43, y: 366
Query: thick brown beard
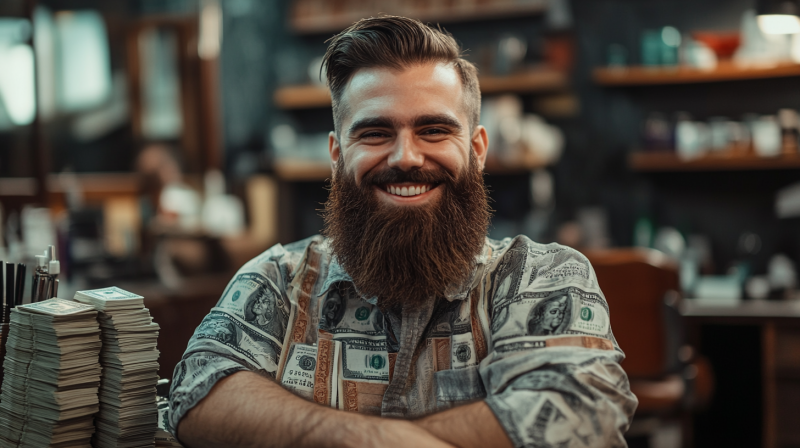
x: 407, y: 255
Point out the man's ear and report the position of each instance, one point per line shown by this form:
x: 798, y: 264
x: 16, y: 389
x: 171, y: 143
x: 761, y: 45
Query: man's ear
x: 480, y: 144
x: 334, y: 149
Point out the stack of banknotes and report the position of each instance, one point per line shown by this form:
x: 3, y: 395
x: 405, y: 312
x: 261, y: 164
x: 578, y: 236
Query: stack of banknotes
x: 128, y: 415
x: 52, y: 373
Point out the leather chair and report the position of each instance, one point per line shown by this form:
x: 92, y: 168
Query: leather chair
x: 669, y: 378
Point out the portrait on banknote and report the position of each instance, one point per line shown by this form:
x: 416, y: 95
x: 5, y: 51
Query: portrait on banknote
x: 508, y: 274
x: 551, y: 316
x: 259, y: 309
x: 219, y: 328
x: 332, y: 310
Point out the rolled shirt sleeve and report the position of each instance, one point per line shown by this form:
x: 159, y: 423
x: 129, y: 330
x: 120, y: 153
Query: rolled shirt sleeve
x: 552, y: 376
x: 244, y: 331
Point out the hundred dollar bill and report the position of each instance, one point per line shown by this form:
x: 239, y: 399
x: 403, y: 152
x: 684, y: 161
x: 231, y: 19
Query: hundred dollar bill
x: 254, y: 299
x: 363, y: 375
x: 564, y: 311
x: 462, y: 353
x: 327, y: 373
x: 57, y: 307
x: 301, y: 364
x: 221, y: 329
x: 364, y: 359
x: 109, y: 299
x: 592, y: 313
x: 342, y: 311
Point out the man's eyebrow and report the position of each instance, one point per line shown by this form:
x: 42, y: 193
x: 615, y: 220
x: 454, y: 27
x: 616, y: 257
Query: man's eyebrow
x: 371, y: 122
x: 441, y: 119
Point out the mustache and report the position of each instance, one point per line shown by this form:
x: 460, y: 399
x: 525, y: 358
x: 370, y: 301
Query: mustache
x: 396, y: 176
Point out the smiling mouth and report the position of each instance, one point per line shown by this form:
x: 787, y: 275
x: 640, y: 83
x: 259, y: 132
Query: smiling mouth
x: 407, y: 190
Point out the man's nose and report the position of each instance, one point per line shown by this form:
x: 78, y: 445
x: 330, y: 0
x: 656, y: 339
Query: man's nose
x: 406, y: 155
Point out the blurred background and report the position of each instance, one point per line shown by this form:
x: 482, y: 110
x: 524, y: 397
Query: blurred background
x: 160, y: 144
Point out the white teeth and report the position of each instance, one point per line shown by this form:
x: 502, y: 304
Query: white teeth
x: 408, y: 191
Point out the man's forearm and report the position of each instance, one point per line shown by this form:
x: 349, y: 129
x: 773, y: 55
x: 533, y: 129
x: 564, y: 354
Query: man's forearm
x: 246, y: 410
x: 467, y: 426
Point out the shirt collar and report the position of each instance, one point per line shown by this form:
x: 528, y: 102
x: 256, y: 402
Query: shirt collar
x: 336, y: 273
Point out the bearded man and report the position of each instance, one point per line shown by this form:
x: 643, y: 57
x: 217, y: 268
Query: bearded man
x: 452, y: 363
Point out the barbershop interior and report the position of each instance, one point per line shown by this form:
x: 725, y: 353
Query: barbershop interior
x: 157, y: 146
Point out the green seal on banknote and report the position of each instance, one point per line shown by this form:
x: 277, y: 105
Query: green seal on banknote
x: 586, y: 314
x: 362, y: 313
x: 377, y: 362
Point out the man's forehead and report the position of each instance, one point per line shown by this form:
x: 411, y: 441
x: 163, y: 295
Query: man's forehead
x: 424, y: 89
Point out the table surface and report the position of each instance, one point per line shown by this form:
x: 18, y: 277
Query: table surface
x: 704, y: 308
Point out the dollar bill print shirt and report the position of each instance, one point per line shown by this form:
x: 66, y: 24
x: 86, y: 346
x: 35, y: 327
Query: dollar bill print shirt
x: 528, y: 333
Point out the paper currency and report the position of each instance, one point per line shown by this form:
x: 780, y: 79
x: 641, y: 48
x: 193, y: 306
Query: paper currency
x: 128, y: 415
x: 108, y: 299
x: 463, y: 351
x: 345, y: 312
x: 52, y: 373
x: 301, y: 364
x: 565, y: 311
x: 327, y: 371
x: 223, y: 330
x: 364, y: 359
x: 254, y: 299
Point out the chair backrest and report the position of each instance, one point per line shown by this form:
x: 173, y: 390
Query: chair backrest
x: 635, y: 282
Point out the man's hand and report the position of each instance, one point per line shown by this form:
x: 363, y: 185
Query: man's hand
x: 467, y: 426
x: 247, y: 410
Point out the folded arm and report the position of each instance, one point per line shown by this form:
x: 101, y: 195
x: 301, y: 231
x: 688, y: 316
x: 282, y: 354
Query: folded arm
x: 248, y: 410
x: 467, y: 426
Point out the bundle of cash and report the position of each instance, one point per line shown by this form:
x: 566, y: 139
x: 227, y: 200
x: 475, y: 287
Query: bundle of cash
x: 49, y: 394
x: 128, y: 415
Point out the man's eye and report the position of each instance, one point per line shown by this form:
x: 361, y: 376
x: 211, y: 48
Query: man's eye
x: 373, y: 134
x: 434, y: 131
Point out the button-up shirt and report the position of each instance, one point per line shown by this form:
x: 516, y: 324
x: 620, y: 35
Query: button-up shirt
x: 528, y: 332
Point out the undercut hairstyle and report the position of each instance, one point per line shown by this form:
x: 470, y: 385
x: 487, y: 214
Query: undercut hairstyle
x: 396, y: 43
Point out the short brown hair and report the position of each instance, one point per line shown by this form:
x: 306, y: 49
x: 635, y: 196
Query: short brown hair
x: 395, y: 42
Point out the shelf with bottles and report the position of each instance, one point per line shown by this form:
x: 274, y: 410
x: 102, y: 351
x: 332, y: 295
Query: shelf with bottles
x: 757, y: 142
x: 323, y: 16
x: 543, y: 80
x: 669, y: 56
x: 724, y: 71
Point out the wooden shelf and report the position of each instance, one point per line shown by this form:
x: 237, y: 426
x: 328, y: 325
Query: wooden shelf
x: 97, y: 184
x: 535, y: 81
x: 302, y: 170
x: 725, y: 71
x: 669, y: 161
x: 302, y: 97
x: 334, y: 22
